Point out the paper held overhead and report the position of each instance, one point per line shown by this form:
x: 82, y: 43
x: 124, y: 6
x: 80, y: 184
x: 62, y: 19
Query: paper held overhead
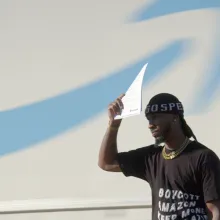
x: 132, y: 100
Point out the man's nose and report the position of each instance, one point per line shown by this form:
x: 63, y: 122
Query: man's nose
x: 151, y: 125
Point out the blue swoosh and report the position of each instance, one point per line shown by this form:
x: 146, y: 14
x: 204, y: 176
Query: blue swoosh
x: 204, y: 96
x: 162, y: 8
x: 28, y: 125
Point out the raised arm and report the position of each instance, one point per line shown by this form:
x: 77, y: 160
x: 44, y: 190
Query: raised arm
x: 108, y: 150
x: 136, y: 163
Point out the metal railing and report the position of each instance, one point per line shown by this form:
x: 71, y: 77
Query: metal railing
x: 61, y: 205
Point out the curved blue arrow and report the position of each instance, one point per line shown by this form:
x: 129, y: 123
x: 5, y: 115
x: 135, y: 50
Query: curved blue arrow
x: 204, y: 94
x: 28, y: 125
x: 31, y: 124
x: 162, y: 8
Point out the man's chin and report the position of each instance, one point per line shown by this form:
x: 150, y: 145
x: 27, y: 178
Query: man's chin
x: 159, y: 140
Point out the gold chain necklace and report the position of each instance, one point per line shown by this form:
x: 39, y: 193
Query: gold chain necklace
x: 174, y: 154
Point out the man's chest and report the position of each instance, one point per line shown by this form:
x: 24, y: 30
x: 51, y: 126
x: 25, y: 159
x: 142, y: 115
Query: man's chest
x: 177, y: 190
x: 178, y: 173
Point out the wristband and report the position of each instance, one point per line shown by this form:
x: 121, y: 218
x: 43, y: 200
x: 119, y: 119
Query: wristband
x: 113, y: 128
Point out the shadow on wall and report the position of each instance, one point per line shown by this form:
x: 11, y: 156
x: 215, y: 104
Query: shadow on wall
x: 28, y: 125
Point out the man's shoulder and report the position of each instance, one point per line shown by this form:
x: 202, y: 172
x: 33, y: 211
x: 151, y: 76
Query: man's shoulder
x: 148, y: 149
x: 203, y: 151
x: 196, y: 145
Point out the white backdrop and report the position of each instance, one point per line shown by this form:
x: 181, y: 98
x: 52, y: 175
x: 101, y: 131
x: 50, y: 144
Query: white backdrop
x: 53, y: 48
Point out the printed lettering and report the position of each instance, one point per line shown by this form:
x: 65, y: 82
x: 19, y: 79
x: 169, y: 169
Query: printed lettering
x: 161, y: 193
x: 131, y: 110
x: 171, y: 105
x: 200, y: 213
x: 192, y: 204
x: 173, y: 207
x: 174, y: 193
x: 186, y: 196
x: 167, y: 194
x: 185, y: 213
x: 163, y: 107
x: 181, y: 202
x: 197, y: 197
x: 166, y: 217
x: 154, y: 108
x: 185, y: 204
x: 179, y: 106
x: 180, y: 195
x: 180, y: 205
x: 147, y: 109
x: 193, y: 217
x: 191, y: 196
x: 165, y: 207
x: 173, y: 217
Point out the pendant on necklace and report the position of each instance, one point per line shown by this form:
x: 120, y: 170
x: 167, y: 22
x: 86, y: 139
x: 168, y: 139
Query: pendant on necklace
x: 172, y: 155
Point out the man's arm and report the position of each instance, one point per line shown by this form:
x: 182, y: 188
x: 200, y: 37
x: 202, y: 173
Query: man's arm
x: 132, y: 163
x: 214, y: 209
x: 211, y: 184
x: 108, y: 151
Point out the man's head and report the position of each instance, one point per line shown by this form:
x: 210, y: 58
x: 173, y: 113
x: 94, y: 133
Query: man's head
x: 165, y: 114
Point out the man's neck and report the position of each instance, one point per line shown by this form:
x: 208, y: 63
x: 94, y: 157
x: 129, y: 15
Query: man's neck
x: 173, y: 143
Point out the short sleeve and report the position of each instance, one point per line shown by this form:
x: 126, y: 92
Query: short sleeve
x: 211, y: 177
x: 136, y: 162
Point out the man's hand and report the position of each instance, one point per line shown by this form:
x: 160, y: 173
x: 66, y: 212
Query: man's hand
x: 114, y: 109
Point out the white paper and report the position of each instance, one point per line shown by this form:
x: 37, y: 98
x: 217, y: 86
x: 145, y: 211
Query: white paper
x: 132, y: 100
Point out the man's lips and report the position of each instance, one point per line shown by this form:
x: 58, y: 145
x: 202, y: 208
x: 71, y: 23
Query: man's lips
x: 154, y: 132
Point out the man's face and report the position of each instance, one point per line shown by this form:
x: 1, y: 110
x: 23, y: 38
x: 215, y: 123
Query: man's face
x: 160, y: 126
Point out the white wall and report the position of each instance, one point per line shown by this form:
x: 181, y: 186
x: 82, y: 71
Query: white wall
x: 61, y: 63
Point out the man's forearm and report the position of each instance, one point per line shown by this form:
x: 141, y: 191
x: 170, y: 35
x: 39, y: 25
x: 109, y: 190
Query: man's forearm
x: 108, y: 150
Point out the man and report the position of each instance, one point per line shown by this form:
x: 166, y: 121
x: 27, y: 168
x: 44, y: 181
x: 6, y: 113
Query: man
x: 183, y: 174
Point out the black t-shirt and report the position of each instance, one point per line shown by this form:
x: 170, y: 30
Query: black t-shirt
x: 181, y: 186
